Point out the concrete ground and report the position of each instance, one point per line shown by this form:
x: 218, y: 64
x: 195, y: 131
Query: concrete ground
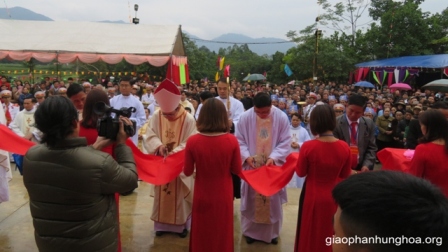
x: 137, y: 230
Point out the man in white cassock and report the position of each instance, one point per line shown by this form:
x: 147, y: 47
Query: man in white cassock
x: 263, y: 135
x: 126, y: 99
x: 167, y: 133
x: 5, y: 166
x: 23, y: 123
x: 234, y: 109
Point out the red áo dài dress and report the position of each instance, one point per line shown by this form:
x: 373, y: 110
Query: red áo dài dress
x: 215, y: 157
x: 430, y: 162
x: 324, y: 164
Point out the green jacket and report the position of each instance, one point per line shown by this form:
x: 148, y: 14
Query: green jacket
x: 71, y: 189
x: 383, y: 126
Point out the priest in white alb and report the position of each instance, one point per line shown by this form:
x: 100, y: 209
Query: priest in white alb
x: 23, y: 123
x: 167, y: 133
x: 263, y: 135
x: 127, y: 100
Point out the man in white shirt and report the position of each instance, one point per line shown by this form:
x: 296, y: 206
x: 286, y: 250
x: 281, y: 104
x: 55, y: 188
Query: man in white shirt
x: 126, y: 99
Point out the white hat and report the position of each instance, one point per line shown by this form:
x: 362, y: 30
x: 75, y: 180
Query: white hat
x: 167, y: 96
x: 5, y: 93
x: 39, y: 93
x: 85, y: 84
x: 62, y: 90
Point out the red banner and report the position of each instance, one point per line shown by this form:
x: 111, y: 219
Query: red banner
x: 266, y: 180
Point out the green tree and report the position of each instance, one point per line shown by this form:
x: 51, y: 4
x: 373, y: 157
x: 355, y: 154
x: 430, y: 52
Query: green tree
x: 404, y: 29
x: 344, y: 16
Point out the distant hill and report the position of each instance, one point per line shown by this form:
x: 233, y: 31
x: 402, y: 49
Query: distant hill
x: 260, y: 49
x: 114, y: 22
x: 20, y: 13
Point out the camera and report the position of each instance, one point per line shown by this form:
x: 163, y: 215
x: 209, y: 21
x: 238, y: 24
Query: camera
x: 107, y: 126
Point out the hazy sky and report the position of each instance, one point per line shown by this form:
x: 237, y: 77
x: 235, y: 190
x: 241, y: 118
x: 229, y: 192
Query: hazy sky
x: 206, y: 19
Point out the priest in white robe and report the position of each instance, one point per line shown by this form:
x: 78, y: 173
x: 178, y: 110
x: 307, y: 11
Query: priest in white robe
x: 23, y: 123
x: 263, y: 135
x: 167, y: 133
x: 234, y: 107
x: 126, y: 99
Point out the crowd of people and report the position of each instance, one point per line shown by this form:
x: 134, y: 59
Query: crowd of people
x: 225, y: 128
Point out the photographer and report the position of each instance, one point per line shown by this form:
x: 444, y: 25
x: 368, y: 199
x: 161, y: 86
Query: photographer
x: 71, y: 185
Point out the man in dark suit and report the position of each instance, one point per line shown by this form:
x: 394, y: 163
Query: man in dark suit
x: 358, y: 132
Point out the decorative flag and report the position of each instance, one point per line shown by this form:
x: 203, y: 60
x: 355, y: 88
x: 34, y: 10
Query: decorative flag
x: 288, y: 70
x: 265, y: 74
x: 221, y: 63
x: 217, y: 76
x: 397, y: 75
x: 218, y: 62
x: 445, y: 71
x: 183, y: 79
x: 227, y: 71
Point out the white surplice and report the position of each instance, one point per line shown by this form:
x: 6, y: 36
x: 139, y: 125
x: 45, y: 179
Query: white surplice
x: 23, y: 123
x: 5, y: 166
x: 236, y: 109
x: 247, y: 134
x: 299, y: 135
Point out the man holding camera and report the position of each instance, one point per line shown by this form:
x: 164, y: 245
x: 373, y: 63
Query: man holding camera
x: 126, y: 99
x: 71, y: 186
x: 167, y: 133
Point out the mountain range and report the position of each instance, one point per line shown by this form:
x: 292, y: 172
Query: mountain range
x: 260, y: 46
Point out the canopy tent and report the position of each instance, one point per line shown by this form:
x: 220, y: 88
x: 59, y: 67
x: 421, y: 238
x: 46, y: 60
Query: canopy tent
x: 89, y: 42
x: 401, y: 69
x: 423, y: 61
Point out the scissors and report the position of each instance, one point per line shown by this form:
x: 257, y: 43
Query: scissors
x: 165, y: 154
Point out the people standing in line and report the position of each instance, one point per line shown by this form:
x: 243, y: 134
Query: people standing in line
x: 264, y: 139
x: 167, y: 133
x: 213, y: 190
x: 324, y: 161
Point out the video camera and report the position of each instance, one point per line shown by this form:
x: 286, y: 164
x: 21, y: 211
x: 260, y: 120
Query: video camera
x: 107, y: 126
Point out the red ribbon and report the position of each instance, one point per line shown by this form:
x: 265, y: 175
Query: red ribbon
x: 266, y: 180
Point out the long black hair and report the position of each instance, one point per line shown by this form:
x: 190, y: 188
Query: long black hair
x: 54, y: 118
